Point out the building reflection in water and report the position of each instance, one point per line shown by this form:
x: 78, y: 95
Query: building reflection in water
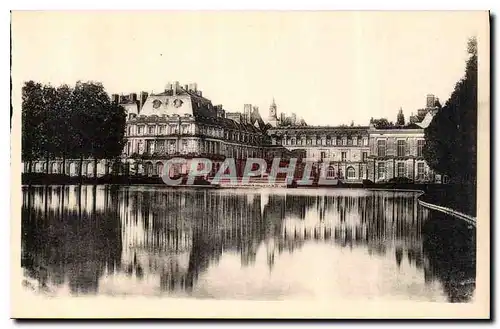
x: 155, y: 241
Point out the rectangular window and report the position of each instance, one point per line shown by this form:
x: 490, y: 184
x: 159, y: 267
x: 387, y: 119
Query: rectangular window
x: 140, y: 130
x: 129, y: 130
x: 323, y: 155
x: 129, y: 148
x: 344, y: 156
x: 381, y: 170
x: 160, y: 146
x: 401, y: 148
x: 151, y: 130
x: 420, y: 147
x: 365, y: 141
x: 344, y: 141
x: 355, y: 141
x: 364, y: 156
x: 162, y: 130
x: 150, y: 146
x: 381, y: 148
x: 420, y: 170
x: 401, y: 169
x: 171, y: 147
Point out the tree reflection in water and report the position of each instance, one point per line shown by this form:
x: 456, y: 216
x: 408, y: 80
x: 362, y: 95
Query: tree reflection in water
x: 113, y: 240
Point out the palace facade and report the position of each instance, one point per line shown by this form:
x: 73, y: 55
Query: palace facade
x: 180, y: 122
x: 362, y: 152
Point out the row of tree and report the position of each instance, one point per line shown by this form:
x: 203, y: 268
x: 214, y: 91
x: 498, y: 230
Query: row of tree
x: 70, y: 123
x: 384, y: 123
x: 451, y: 137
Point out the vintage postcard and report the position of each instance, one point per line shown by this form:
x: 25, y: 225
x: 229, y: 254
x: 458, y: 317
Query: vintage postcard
x: 250, y: 164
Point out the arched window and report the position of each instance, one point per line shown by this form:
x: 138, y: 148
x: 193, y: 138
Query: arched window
x: 55, y: 167
x: 73, y: 169
x: 331, y: 172
x: 351, y: 173
x: 90, y: 169
x: 148, y: 169
x: 159, y: 168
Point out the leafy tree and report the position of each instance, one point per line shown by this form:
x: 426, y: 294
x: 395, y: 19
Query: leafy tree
x: 49, y: 125
x: 63, y: 137
x: 112, y: 132
x: 381, y: 123
x: 451, y: 137
x: 437, y: 104
x: 32, y: 112
x: 400, y: 121
x: 64, y: 122
x: 100, y: 124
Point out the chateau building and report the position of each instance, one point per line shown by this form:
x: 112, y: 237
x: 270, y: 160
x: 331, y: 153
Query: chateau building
x: 180, y: 122
x: 341, y: 151
x: 398, y: 152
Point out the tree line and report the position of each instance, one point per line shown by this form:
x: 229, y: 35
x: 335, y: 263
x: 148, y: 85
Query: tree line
x: 382, y: 123
x: 68, y: 122
x: 451, y: 137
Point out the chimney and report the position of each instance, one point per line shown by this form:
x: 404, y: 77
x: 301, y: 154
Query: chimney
x: 175, y: 88
x: 186, y: 87
x: 247, y: 109
x: 431, y: 99
x: 133, y: 97
x: 219, y: 111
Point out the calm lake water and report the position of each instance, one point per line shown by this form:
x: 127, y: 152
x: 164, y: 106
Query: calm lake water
x: 262, y: 244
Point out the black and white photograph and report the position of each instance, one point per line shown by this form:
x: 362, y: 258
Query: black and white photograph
x: 220, y: 164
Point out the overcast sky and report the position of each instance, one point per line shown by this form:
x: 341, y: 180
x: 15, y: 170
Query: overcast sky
x: 327, y: 67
